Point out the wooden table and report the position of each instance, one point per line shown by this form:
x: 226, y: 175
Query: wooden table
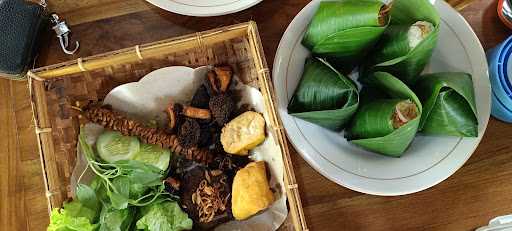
x: 478, y: 192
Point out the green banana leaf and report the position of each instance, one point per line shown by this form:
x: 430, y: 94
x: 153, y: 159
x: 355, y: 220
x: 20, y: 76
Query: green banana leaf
x: 393, y: 54
x: 373, y: 119
x: 369, y: 94
x: 324, y: 96
x: 387, y: 141
x: 344, y: 31
x: 450, y: 107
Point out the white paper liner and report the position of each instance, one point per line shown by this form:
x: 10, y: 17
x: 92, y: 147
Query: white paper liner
x: 147, y: 100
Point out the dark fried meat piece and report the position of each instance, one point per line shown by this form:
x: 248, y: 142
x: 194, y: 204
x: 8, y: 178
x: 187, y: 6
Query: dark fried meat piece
x: 216, y: 144
x: 205, y: 137
x: 201, y: 98
x: 192, y: 178
x: 206, y: 197
x: 208, y: 131
x: 229, y: 164
x: 222, y: 107
x: 189, y: 133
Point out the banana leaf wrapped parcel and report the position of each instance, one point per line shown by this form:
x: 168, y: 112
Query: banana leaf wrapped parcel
x: 408, y: 43
x: 344, y: 31
x: 324, y: 96
x: 386, y: 125
x: 449, y: 104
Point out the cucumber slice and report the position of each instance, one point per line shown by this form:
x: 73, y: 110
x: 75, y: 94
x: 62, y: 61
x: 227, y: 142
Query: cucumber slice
x: 113, y: 146
x: 154, y: 155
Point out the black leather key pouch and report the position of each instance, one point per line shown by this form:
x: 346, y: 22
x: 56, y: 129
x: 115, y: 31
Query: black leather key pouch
x: 21, y: 24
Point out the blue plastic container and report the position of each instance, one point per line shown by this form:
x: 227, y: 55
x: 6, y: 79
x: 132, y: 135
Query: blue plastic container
x: 500, y: 73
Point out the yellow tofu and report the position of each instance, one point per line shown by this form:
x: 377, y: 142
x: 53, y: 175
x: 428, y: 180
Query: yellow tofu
x: 251, y: 191
x: 243, y: 133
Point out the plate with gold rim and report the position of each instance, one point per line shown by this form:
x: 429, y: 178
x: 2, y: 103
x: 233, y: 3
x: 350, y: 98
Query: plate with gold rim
x: 429, y: 160
x: 204, y: 8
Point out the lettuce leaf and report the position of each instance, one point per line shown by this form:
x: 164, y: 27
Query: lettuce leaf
x: 68, y: 219
x: 112, y: 219
x: 164, y: 216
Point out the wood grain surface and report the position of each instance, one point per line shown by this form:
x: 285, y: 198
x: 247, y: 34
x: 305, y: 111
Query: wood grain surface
x: 476, y: 193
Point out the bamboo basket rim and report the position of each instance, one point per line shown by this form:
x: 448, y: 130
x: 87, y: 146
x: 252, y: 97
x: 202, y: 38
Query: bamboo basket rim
x: 201, y: 40
x: 139, y: 52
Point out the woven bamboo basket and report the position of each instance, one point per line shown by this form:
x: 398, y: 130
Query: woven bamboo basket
x: 56, y: 89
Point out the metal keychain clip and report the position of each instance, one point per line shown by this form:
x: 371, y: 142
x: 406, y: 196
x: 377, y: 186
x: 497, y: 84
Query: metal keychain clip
x: 62, y: 30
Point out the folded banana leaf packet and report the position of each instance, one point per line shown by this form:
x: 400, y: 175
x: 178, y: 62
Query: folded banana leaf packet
x: 343, y: 32
x: 449, y: 104
x: 324, y: 96
x: 387, y: 123
x: 408, y: 43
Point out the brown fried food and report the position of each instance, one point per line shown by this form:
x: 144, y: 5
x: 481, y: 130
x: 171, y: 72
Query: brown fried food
x: 206, y: 197
x: 172, y: 184
x: 208, y: 134
x: 108, y: 118
x: 201, y: 98
x: 251, y: 191
x: 209, y: 199
x: 224, y: 76
x: 243, y: 133
x: 220, y: 78
x: 196, y: 113
x: 174, y: 115
x: 177, y: 112
x: 189, y: 133
x: 222, y: 107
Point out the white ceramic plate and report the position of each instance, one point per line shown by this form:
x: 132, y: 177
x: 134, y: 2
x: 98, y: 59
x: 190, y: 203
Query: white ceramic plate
x: 429, y: 160
x: 204, y: 8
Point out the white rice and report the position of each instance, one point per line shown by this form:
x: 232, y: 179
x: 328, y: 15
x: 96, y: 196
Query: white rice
x: 419, y: 31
